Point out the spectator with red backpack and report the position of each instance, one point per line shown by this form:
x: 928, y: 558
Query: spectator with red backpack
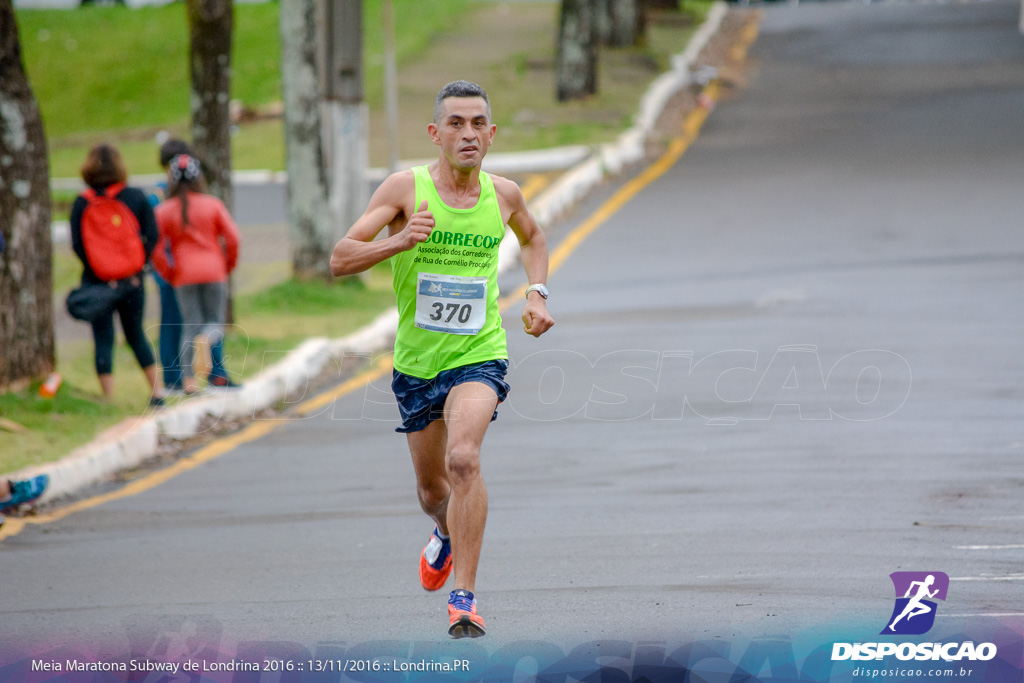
x: 113, y: 233
x: 202, y: 240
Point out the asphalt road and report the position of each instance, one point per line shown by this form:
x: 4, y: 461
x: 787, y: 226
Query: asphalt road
x: 786, y: 369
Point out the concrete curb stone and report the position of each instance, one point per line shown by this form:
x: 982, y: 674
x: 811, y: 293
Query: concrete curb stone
x: 136, y: 440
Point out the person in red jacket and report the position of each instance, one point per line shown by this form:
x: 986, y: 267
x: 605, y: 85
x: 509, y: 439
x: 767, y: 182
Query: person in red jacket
x: 203, y: 241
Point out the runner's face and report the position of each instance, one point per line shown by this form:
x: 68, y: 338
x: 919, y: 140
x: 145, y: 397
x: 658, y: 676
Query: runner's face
x: 464, y: 132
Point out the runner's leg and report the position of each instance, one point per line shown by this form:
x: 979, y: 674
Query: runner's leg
x: 468, y: 412
x: 428, y: 448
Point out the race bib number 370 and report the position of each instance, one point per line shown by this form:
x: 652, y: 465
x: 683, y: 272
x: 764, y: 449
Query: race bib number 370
x: 452, y: 304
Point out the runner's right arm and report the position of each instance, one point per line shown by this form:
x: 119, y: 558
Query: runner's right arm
x: 359, y: 249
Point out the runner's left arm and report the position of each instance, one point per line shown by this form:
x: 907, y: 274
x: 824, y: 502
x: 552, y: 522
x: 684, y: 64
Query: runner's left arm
x: 533, y: 248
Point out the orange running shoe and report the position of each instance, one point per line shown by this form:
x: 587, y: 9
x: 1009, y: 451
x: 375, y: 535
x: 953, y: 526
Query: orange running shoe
x: 463, y: 620
x: 435, y: 562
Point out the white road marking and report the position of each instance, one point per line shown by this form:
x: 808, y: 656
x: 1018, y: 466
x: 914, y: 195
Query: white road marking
x: 981, y: 614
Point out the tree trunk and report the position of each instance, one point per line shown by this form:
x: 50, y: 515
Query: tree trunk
x: 210, y: 28
x: 577, y: 50
x: 310, y: 229
x: 624, y: 19
x: 26, y: 281
x: 604, y: 21
x: 346, y: 114
x: 211, y: 24
x: 654, y: 6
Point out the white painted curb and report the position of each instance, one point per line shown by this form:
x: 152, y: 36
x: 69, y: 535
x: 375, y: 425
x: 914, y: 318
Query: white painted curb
x: 136, y: 440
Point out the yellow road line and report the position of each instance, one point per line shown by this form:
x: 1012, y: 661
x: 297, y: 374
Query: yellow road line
x: 205, y: 454
x: 748, y: 35
x: 381, y: 368
x: 535, y: 182
x: 15, y: 525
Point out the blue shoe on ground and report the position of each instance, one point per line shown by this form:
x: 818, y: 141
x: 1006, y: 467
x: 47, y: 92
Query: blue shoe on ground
x: 25, y: 491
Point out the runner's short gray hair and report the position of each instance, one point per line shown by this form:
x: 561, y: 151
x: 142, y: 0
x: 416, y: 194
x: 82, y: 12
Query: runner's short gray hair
x: 459, y: 89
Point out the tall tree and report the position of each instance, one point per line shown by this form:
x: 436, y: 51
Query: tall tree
x: 211, y: 27
x: 311, y: 233
x: 604, y: 20
x: 624, y: 23
x: 576, y: 62
x: 346, y: 114
x: 649, y: 7
x: 325, y: 120
x: 210, y: 30
x: 26, y: 286
x: 620, y: 23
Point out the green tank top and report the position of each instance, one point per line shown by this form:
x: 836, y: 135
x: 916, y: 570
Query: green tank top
x: 447, y: 287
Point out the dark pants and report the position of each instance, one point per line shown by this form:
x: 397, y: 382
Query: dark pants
x: 170, y: 339
x: 130, y: 309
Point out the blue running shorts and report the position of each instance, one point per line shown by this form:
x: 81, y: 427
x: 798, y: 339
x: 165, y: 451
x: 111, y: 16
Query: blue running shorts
x: 420, y: 401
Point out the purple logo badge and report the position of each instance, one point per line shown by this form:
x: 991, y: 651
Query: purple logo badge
x: 916, y: 592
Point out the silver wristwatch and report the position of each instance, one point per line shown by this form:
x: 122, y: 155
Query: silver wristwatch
x: 539, y: 288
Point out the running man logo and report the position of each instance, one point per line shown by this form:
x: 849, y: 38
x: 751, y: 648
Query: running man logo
x: 914, y: 613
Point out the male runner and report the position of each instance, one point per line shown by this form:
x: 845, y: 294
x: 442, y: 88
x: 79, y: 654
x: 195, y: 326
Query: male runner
x: 445, y: 222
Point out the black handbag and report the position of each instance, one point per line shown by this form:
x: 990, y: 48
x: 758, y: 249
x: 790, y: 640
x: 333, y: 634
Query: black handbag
x: 88, y: 302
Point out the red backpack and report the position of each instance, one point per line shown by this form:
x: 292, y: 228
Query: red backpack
x: 110, y: 234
